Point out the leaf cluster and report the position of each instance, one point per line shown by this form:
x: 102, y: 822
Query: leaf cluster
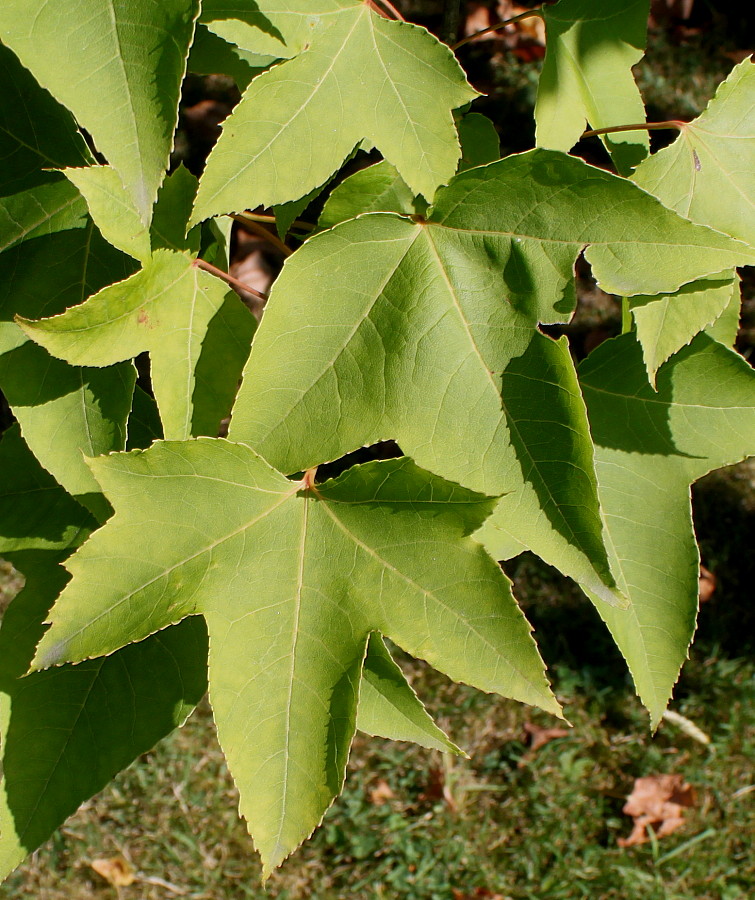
x: 161, y: 557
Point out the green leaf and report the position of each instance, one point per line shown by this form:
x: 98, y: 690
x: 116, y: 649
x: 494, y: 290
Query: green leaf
x: 25, y: 148
x: 50, y: 206
x: 36, y: 515
x: 587, y: 76
x: 555, y: 509
x: 166, y: 309
x: 389, y: 708
x: 413, y: 336
x: 479, y: 141
x: 726, y: 327
x: 281, y: 28
x: 64, y: 411
x: 362, y: 76
x: 106, y: 77
x: 291, y: 582
x: 112, y: 209
x: 380, y: 188
x: 377, y: 188
x: 144, y: 424
x: 649, y: 447
x: 708, y: 173
x: 210, y: 54
x: 665, y: 324
x: 67, y: 732
x: 172, y: 210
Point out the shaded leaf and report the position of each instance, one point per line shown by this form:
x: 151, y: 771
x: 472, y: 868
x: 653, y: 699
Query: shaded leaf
x: 708, y: 173
x: 211, y: 54
x: 166, y: 309
x: 377, y: 188
x: 479, y: 141
x: 587, y: 76
x: 388, y: 706
x: 25, y: 148
x: 67, y: 732
x: 108, y: 82
x: 380, y: 188
x: 649, y: 447
x: 172, y: 210
x: 65, y: 411
x: 291, y: 582
x: 281, y: 28
x: 554, y: 510
x: 362, y: 76
x: 665, y: 324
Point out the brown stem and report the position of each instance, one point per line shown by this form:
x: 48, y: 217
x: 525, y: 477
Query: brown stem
x: 640, y: 126
x: 308, y: 481
x: 392, y: 10
x: 263, y: 232
x: 377, y: 9
x: 262, y: 217
x: 229, y: 279
x: 531, y: 13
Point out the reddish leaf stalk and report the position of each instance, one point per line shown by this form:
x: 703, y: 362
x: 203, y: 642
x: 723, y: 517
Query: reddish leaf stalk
x: 229, y: 279
x: 392, y: 10
x: 263, y: 233
x: 530, y: 14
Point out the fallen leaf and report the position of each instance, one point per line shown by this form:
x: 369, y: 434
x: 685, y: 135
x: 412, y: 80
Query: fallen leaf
x: 657, y: 800
x: 381, y: 793
x: 540, y: 736
x: 116, y: 871
x: 707, y: 584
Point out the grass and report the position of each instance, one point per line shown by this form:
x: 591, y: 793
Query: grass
x: 412, y: 825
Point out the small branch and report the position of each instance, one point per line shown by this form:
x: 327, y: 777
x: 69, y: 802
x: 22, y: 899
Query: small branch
x: 392, y: 10
x: 377, y: 9
x: 261, y: 217
x: 263, y: 233
x: 229, y: 279
x: 640, y: 126
x: 308, y: 482
x: 530, y: 14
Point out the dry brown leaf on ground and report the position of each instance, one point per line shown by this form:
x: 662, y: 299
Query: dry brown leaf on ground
x: 116, y: 871
x: 381, y: 793
x: 657, y: 800
x: 707, y: 584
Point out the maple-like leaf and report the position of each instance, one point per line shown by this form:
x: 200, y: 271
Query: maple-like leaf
x: 292, y: 580
x: 108, y: 80
x: 649, y: 448
x: 708, y: 173
x: 66, y: 732
x: 416, y: 322
x: 587, y: 76
x: 361, y: 76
